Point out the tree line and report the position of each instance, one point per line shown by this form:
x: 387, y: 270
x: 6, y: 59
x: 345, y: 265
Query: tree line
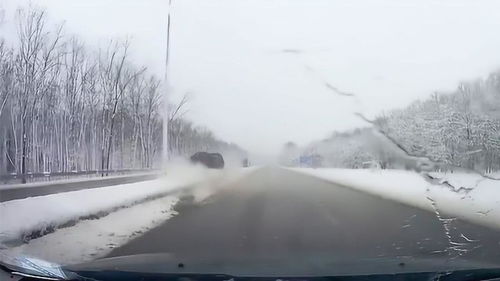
x: 65, y: 107
x: 459, y: 129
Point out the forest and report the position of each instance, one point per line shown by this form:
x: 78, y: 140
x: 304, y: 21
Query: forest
x: 67, y: 107
x: 458, y: 129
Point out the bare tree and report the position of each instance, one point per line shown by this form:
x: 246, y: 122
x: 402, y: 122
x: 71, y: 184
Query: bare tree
x: 116, y: 77
x: 6, y: 73
x: 37, y: 67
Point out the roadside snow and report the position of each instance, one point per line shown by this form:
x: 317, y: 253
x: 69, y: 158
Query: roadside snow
x: 19, y: 219
x: 91, y: 239
x: 466, y: 196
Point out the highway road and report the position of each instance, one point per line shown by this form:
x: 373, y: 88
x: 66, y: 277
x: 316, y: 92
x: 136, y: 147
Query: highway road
x: 275, y: 212
x: 20, y: 191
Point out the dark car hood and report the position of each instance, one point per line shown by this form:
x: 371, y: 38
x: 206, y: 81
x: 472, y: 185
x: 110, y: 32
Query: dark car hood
x: 280, y: 266
x: 164, y: 266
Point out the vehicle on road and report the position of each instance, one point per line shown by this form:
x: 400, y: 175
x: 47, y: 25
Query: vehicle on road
x: 209, y: 160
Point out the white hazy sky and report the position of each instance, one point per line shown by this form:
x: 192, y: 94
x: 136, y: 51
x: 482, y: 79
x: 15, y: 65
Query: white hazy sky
x: 227, y: 53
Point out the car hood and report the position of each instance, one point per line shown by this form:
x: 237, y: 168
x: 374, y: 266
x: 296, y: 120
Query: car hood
x: 136, y: 266
x: 279, y: 266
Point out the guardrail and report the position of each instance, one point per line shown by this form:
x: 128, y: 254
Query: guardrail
x: 51, y: 176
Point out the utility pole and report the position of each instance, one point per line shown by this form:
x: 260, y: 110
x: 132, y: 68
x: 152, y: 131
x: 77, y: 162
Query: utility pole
x: 165, y: 154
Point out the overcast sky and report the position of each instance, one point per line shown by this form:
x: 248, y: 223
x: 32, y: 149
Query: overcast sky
x: 229, y: 55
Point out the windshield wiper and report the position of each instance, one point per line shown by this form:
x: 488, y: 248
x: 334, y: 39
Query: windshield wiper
x: 32, y: 268
x: 167, y: 267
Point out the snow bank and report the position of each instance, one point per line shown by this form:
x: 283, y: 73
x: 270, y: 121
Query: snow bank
x: 92, y: 239
x: 20, y: 219
x: 467, y: 196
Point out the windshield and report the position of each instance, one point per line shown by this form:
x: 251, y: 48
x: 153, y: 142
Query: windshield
x: 242, y: 133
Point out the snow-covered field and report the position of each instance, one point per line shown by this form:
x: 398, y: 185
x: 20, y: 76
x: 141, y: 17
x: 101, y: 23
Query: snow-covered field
x: 467, y: 196
x: 91, y: 222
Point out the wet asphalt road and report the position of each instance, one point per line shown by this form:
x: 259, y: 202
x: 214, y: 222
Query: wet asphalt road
x: 274, y: 212
x: 19, y: 191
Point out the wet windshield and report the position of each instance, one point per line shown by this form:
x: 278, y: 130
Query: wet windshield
x: 233, y: 131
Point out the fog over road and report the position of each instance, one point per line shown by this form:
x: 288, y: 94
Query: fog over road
x: 275, y: 212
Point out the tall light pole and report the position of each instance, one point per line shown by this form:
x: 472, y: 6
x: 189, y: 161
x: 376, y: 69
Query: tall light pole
x: 165, y: 154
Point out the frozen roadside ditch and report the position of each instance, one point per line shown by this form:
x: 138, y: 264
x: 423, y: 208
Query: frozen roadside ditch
x: 24, y: 219
x: 466, y: 196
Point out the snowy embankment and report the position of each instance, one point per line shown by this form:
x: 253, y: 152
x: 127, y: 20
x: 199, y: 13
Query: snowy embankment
x: 91, y: 239
x: 28, y: 218
x: 470, y: 197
